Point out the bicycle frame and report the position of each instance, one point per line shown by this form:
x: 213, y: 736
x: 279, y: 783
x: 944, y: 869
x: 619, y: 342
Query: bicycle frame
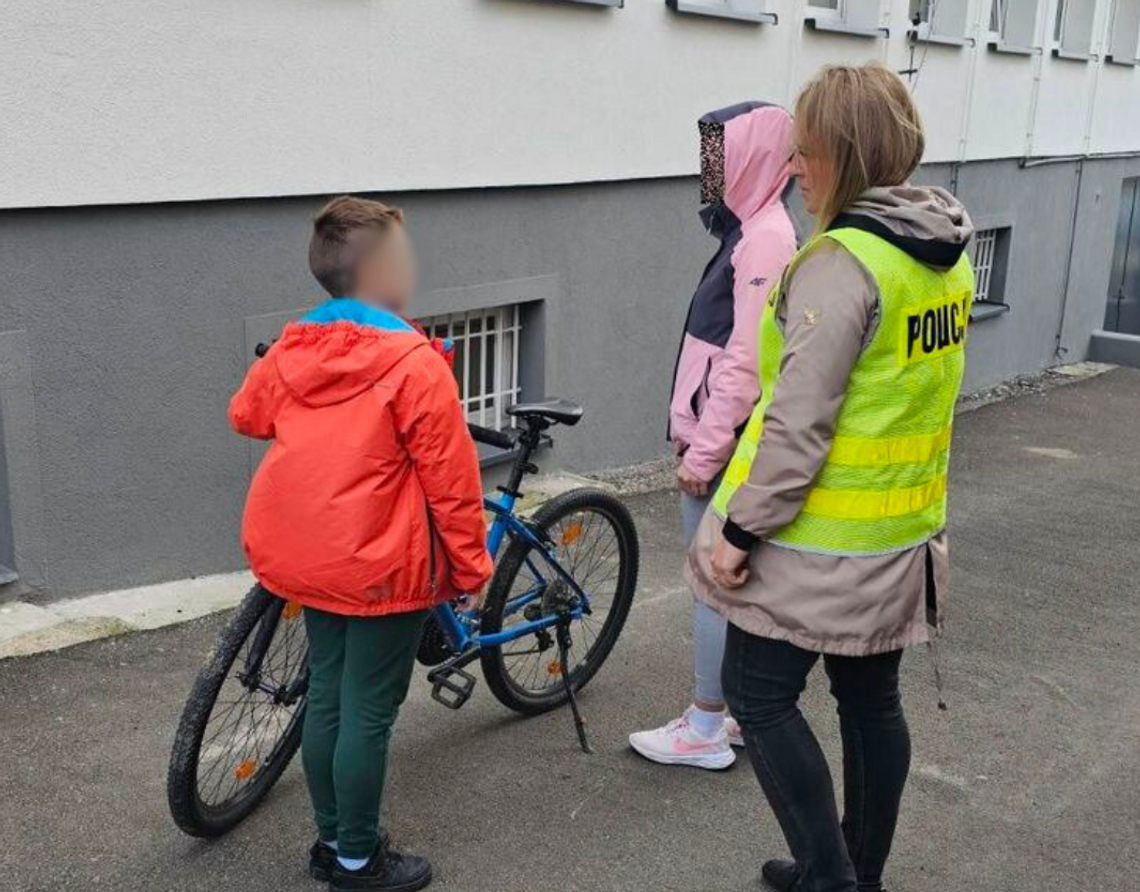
x: 460, y: 627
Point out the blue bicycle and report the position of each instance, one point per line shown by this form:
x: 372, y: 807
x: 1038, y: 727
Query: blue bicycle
x: 555, y: 607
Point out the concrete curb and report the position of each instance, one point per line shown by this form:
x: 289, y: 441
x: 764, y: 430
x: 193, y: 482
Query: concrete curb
x: 29, y: 629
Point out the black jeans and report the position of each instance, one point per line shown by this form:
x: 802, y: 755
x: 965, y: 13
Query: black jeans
x: 763, y: 679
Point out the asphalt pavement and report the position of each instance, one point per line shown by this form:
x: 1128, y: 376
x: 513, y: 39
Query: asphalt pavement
x: 1029, y: 781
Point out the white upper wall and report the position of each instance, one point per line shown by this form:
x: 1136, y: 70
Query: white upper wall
x: 125, y: 101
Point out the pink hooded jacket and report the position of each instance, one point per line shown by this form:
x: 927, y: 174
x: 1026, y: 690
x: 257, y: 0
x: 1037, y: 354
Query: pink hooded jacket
x: 745, y: 150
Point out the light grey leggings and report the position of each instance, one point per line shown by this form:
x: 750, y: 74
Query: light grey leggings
x: 708, y: 625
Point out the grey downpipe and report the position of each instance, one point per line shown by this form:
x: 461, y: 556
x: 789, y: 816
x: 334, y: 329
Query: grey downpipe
x: 1058, y: 350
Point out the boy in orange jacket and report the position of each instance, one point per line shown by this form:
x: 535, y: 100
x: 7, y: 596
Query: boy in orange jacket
x: 367, y: 510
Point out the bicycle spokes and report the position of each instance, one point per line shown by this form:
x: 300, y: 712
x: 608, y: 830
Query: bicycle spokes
x: 581, y: 581
x: 256, y: 706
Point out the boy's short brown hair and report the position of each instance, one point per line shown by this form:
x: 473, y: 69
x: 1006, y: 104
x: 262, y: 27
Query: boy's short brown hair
x: 339, y: 229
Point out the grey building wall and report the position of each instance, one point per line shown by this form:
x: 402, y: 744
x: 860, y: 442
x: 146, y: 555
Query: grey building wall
x: 138, y: 323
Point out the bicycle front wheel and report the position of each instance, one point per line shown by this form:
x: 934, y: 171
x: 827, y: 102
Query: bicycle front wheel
x: 594, y: 540
x: 242, y: 723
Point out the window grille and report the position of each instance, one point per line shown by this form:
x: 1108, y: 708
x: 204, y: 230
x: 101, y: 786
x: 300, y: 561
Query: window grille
x: 486, y: 345
x: 985, y: 251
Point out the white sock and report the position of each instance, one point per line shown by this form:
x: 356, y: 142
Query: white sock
x: 351, y: 863
x: 331, y: 845
x: 706, y: 723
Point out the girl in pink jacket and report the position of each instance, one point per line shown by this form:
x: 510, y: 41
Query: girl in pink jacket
x: 745, y: 175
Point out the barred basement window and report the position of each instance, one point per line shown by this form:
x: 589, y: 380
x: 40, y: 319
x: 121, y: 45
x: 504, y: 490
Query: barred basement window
x: 990, y: 254
x: 985, y: 245
x: 486, y: 344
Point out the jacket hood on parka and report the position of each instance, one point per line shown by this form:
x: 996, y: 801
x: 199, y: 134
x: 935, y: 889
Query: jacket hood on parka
x: 745, y: 153
x: 926, y: 222
x: 340, y: 349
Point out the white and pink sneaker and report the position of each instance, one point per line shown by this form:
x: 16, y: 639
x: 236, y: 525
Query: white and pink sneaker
x: 732, y: 729
x: 678, y: 743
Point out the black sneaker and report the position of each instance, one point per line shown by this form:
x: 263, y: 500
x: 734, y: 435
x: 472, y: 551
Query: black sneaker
x: 387, y: 869
x: 322, y: 860
x: 781, y: 875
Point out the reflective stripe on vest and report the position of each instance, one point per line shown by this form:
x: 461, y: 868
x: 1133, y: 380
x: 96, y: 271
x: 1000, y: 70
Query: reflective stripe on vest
x: 883, y: 486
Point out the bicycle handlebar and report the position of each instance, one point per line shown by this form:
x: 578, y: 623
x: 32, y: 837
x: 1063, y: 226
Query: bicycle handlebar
x: 491, y: 437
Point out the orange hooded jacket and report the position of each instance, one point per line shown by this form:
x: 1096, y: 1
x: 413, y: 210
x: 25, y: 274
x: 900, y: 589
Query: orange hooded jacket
x: 369, y: 499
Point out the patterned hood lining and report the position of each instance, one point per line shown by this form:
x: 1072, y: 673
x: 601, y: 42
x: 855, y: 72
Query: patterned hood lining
x: 712, y: 161
x: 745, y: 150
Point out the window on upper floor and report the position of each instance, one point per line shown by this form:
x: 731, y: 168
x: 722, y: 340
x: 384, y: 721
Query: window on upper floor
x: 1073, y: 28
x: 740, y: 10
x: 1124, y: 32
x: 939, y: 20
x: 617, y: 3
x: 1013, y: 24
x: 859, y: 18
x: 486, y: 365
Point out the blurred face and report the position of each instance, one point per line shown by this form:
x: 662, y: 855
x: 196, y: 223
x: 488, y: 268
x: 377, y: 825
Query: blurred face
x: 386, y: 275
x: 812, y: 172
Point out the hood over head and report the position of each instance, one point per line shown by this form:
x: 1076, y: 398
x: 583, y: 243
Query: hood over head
x: 745, y: 154
x: 927, y: 222
x: 340, y: 349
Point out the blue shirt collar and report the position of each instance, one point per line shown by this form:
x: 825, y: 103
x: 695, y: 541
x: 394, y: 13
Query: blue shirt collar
x: 349, y: 309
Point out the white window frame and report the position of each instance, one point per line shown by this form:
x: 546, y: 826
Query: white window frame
x: 854, y: 18
x: 1024, y: 37
x: 753, y: 11
x: 835, y: 12
x: 1124, y: 32
x: 486, y: 403
x: 616, y: 3
x: 1073, y: 24
x: 940, y: 21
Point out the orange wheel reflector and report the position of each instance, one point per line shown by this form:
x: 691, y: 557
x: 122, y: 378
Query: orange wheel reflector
x: 554, y: 667
x: 246, y: 769
x: 572, y: 533
x: 292, y: 610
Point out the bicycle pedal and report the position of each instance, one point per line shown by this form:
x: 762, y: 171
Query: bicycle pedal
x: 447, y: 690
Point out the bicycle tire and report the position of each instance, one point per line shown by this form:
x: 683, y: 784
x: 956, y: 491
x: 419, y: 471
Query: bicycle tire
x: 496, y: 673
x: 192, y: 815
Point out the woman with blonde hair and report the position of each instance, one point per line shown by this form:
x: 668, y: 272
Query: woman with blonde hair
x: 827, y: 535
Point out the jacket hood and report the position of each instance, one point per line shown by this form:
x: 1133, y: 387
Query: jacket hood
x: 745, y: 152
x: 926, y: 222
x: 340, y: 349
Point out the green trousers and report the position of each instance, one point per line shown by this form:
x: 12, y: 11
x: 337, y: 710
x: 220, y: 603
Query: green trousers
x: 360, y: 671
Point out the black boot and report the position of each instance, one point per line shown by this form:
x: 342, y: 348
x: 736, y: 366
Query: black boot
x: 322, y: 859
x: 388, y: 870
x: 781, y: 875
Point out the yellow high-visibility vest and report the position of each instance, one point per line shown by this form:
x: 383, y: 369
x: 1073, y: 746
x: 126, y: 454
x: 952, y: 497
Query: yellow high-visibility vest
x: 883, y: 486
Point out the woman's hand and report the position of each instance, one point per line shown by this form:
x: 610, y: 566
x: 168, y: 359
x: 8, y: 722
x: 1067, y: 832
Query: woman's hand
x: 690, y: 483
x: 729, y: 564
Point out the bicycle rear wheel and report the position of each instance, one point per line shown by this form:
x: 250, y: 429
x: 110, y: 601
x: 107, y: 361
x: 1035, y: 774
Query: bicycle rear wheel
x: 595, y: 541
x: 242, y: 722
